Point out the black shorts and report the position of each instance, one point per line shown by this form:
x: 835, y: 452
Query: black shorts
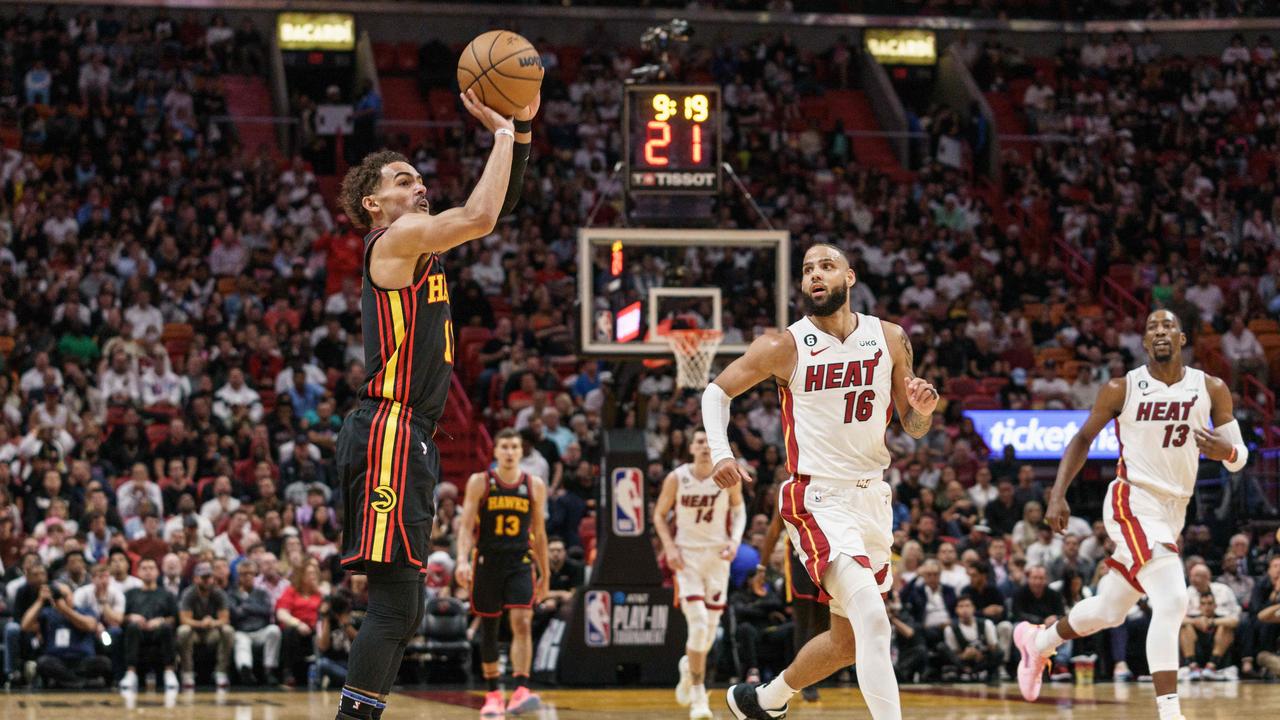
x: 798, y: 580
x: 388, y: 467
x: 501, y: 582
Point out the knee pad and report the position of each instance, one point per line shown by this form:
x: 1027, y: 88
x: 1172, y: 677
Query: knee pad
x: 713, y: 626
x: 489, y: 628
x: 695, y: 617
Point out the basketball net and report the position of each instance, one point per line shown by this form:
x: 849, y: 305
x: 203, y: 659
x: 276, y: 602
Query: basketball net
x: 694, y: 351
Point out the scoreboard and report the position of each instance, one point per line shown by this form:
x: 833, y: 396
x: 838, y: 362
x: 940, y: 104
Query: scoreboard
x: 672, y: 137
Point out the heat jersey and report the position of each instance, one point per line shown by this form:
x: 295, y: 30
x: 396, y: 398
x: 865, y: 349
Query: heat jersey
x: 702, y: 511
x: 838, y: 402
x: 408, y: 341
x: 1156, y: 431
x: 505, y: 518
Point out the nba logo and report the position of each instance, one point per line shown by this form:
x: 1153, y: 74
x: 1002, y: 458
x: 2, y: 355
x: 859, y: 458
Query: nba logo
x: 599, y: 610
x: 628, y: 502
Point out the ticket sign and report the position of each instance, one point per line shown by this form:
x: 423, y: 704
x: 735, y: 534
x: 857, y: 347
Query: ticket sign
x: 1040, y: 434
x: 901, y: 47
x: 316, y: 31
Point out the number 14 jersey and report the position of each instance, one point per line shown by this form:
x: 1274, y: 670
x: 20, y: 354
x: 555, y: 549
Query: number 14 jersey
x: 1156, y: 431
x: 702, y: 511
x: 838, y: 402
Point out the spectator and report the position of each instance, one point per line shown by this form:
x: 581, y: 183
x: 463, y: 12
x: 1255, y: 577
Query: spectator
x: 1035, y: 602
x: 237, y: 400
x: 1003, y: 514
x: 930, y: 603
x: 1047, y: 547
x: 297, y: 611
x: 1069, y: 558
x: 253, y: 619
x: 151, y: 614
x: 1244, y: 352
x: 763, y: 632
x: 954, y: 574
x: 335, y: 631
x: 972, y: 649
x: 270, y: 579
x: 567, y: 575
x: 1207, y: 639
x: 68, y: 658
x: 1262, y: 637
x: 204, y: 618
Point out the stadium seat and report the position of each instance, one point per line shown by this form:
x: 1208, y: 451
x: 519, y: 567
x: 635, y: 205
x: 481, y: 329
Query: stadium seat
x: 384, y: 57
x: 981, y: 402
x: 961, y: 386
x: 407, y: 57
x: 444, y: 637
x: 1263, y: 326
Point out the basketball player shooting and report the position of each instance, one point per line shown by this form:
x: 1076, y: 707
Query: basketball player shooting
x: 837, y: 372
x: 387, y: 462
x: 1162, y: 412
x: 709, y: 525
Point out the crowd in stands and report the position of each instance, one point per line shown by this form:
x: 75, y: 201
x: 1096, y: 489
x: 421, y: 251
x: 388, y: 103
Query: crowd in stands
x: 179, y: 321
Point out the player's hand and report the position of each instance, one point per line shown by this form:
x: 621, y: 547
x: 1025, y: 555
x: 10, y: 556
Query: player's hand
x: 528, y: 111
x: 541, y: 590
x: 463, y: 574
x: 675, y: 560
x: 1058, y: 514
x: 922, y: 396
x: 487, y: 116
x: 729, y: 552
x: 1212, y: 445
x: 729, y: 472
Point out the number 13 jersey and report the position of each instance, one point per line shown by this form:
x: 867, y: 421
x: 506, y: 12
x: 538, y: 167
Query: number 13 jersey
x: 838, y: 402
x: 1156, y: 431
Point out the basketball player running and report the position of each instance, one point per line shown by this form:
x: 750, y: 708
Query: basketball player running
x: 837, y: 372
x: 709, y: 525
x: 387, y: 462
x: 502, y: 520
x: 1162, y: 412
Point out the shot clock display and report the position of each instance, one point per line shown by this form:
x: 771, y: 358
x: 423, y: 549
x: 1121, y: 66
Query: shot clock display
x: 673, y: 139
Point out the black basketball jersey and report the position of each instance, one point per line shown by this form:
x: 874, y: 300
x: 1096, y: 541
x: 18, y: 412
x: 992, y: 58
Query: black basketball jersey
x: 505, y: 518
x: 408, y: 339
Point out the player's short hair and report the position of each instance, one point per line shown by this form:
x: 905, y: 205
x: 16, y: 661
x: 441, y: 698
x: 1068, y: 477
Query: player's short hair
x: 506, y: 433
x: 1176, y: 320
x: 362, y: 180
x: 843, y: 255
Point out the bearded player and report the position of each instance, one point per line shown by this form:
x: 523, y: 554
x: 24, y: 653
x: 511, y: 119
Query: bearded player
x: 387, y: 461
x: 709, y: 525
x: 837, y: 373
x: 1162, y: 412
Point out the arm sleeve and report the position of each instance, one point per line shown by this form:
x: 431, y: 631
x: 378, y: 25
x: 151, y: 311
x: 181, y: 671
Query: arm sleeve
x: 1232, y: 433
x: 738, y: 522
x: 715, y: 420
x: 519, y: 161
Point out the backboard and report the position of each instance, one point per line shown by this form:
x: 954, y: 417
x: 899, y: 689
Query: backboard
x: 634, y: 284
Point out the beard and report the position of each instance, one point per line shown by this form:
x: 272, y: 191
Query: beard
x: 837, y: 297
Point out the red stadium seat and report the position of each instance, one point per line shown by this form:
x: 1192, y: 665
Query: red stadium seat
x: 961, y: 386
x: 981, y: 402
x: 384, y: 57
x: 472, y: 334
x: 407, y: 57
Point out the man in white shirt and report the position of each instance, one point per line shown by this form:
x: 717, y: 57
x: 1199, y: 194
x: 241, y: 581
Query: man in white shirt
x: 919, y: 294
x: 269, y: 577
x: 954, y: 282
x: 119, y: 381
x: 222, y: 503
x: 34, y: 378
x: 1084, y: 390
x: 983, y: 491
x: 1201, y: 582
x: 1038, y: 100
x: 1244, y: 352
x: 131, y: 494
x: 1201, y: 629
x: 237, y: 394
x: 936, y: 614
x: 144, y: 316
x: 100, y: 596
x: 1093, y: 55
x: 1054, y: 391
x: 1207, y: 296
x: 766, y: 419
x: 952, y: 572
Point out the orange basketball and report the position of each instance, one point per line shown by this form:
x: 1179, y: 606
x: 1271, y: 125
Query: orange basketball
x: 504, y: 69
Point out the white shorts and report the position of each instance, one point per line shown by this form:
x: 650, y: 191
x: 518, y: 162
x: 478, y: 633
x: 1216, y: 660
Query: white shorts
x: 705, y: 577
x: 826, y: 518
x: 1139, y: 522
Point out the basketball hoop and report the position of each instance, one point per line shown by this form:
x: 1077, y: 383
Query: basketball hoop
x: 694, y: 351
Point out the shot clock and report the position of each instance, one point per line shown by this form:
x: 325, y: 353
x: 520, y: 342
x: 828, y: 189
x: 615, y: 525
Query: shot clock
x: 672, y: 139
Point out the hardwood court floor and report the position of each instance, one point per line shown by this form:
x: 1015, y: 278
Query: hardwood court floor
x: 1210, y: 701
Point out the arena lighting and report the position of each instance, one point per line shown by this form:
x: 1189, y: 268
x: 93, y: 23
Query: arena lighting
x: 901, y: 47
x: 316, y: 31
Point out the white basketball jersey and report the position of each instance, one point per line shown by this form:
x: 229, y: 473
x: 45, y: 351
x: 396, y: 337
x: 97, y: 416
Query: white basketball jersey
x: 838, y: 402
x: 702, y: 511
x: 1156, y: 430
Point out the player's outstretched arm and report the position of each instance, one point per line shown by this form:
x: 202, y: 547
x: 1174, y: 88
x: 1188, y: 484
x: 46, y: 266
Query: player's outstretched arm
x: 520, y: 154
x: 1108, y: 405
x: 914, y: 398
x: 1225, y: 442
x: 666, y: 501
x: 770, y: 355
x: 413, y: 235
x: 467, y: 527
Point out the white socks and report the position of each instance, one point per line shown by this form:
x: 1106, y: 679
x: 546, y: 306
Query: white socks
x: 1168, y: 707
x: 774, y: 694
x: 699, y: 692
x: 1048, y: 640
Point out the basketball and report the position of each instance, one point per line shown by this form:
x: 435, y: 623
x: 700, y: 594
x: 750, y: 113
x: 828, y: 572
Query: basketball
x: 504, y: 69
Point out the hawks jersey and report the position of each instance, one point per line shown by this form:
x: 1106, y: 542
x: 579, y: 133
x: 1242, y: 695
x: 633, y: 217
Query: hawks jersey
x: 505, y: 518
x: 837, y: 404
x: 408, y: 340
x: 1156, y: 431
x: 702, y: 511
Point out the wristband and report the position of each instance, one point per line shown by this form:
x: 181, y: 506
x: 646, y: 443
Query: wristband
x: 505, y: 131
x: 523, y: 126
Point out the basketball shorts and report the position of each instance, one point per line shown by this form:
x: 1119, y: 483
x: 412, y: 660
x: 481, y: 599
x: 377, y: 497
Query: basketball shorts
x: 501, y: 582
x: 828, y: 518
x: 388, y: 467
x: 799, y: 584
x: 705, y: 577
x: 1139, y: 521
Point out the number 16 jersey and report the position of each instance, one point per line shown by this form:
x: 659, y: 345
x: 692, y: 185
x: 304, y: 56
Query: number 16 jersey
x: 1156, y: 431
x: 838, y: 402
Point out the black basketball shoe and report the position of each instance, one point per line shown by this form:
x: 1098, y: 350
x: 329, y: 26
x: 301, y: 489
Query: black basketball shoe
x: 744, y: 704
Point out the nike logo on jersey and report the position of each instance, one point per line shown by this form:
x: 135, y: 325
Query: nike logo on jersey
x: 812, y: 353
